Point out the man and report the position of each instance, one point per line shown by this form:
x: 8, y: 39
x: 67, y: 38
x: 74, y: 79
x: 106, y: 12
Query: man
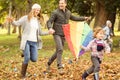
x: 58, y: 18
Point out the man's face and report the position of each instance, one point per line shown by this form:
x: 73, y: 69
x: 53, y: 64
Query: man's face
x: 62, y: 4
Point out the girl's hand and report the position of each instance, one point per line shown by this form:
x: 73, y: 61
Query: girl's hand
x: 81, y: 47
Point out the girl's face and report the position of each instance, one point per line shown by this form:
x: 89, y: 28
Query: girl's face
x: 100, y: 34
x: 36, y: 11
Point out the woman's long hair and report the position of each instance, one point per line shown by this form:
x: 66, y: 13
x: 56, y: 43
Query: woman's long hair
x: 39, y: 16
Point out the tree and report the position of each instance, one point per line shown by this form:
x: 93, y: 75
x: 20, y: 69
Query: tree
x: 10, y: 9
x: 82, y: 7
x: 17, y: 9
x: 100, y: 14
x: 106, y: 11
x: 102, y: 10
x: 119, y: 25
x: 118, y: 11
x: 29, y: 5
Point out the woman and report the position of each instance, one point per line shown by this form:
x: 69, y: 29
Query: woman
x: 31, y: 30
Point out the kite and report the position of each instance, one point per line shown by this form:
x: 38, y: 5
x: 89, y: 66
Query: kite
x: 76, y: 35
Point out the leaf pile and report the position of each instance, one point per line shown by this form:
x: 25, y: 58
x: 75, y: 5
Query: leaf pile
x: 10, y: 68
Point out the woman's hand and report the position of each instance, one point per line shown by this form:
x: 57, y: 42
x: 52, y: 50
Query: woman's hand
x: 9, y: 19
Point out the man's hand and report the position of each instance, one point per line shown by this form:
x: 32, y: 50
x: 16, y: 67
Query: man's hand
x: 87, y: 18
x: 51, y: 31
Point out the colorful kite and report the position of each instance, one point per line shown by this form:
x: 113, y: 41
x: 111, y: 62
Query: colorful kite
x: 76, y: 35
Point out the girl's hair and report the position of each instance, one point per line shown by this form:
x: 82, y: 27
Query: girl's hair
x: 40, y: 17
x: 97, y: 30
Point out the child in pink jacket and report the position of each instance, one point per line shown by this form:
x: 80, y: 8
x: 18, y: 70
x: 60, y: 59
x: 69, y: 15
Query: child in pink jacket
x: 97, y: 47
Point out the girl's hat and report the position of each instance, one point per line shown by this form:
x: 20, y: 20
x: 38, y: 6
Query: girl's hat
x: 36, y: 6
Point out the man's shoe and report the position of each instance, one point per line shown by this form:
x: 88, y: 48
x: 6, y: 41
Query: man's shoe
x: 61, y: 71
x: 48, y: 68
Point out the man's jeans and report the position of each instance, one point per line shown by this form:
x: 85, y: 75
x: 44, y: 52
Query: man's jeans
x: 59, y: 40
x: 30, y: 52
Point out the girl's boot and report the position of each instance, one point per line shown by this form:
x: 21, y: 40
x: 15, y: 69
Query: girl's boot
x: 96, y: 76
x: 84, y: 75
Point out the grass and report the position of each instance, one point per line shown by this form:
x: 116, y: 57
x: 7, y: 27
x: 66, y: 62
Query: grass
x: 9, y: 45
x: 12, y: 43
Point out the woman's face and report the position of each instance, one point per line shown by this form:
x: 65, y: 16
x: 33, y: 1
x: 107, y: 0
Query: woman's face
x: 100, y: 34
x: 36, y: 11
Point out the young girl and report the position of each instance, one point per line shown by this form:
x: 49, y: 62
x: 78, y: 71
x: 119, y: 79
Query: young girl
x: 30, y: 35
x: 97, y: 47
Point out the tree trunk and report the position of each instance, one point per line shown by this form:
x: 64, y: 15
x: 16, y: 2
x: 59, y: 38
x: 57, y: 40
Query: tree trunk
x: 29, y: 5
x: 10, y: 10
x: 119, y: 26
x: 101, y: 14
x: 71, y: 5
x: 19, y: 28
x: 112, y: 17
x: 27, y: 11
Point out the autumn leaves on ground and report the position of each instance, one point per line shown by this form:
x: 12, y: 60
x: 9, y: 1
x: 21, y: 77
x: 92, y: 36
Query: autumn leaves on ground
x: 10, y: 62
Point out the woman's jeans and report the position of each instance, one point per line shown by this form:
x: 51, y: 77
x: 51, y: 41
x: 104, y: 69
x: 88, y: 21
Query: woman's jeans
x: 30, y: 52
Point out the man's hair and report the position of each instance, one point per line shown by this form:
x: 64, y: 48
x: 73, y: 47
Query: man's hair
x: 65, y: 1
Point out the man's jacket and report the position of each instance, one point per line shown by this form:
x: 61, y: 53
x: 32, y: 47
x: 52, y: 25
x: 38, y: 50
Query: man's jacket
x: 59, y: 18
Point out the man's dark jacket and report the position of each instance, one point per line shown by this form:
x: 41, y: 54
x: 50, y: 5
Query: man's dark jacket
x: 59, y: 18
